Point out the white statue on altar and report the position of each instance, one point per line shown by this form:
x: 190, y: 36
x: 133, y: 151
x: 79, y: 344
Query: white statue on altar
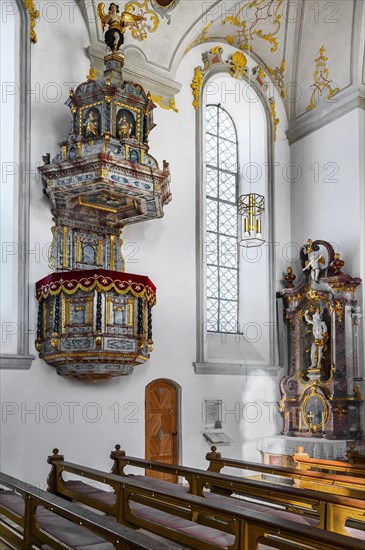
x: 313, y: 264
x: 320, y: 334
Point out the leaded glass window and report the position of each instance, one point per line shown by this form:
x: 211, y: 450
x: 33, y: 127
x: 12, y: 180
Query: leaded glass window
x: 221, y: 221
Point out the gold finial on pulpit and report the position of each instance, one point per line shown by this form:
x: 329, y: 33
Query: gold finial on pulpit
x: 117, y: 24
x: 92, y: 74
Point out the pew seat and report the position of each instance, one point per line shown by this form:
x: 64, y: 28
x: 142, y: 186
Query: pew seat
x: 74, y: 536
x: 176, y: 523
x: 32, y: 518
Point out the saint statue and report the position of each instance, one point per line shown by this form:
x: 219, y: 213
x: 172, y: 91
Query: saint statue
x: 91, y: 126
x: 320, y: 334
x: 124, y: 128
x: 117, y: 24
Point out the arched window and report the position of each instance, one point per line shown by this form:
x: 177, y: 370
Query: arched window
x: 221, y: 221
x: 14, y: 191
x: 236, y: 300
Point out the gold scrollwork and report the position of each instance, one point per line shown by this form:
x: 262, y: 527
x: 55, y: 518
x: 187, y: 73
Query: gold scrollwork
x: 196, y: 86
x: 33, y: 14
x: 278, y: 76
x: 247, y: 19
x: 238, y: 63
x: 321, y: 80
x: 275, y: 119
x: 341, y: 411
x: 150, y: 22
x: 161, y: 101
x: 202, y: 37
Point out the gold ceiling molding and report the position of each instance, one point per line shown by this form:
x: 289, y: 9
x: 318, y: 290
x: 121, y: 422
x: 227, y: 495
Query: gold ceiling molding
x: 248, y: 19
x: 238, y: 68
x: 211, y: 57
x: 238, y: 63
x: 201, y: 38
x: 33, y: 14
x: 164, y: 103
x: 151, y: 20
x: 321, y: 81
x: 278, y: 76
x: 275, y: 119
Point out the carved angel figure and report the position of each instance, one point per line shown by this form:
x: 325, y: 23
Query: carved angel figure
x: 313, y: 263
x: 117, y: 24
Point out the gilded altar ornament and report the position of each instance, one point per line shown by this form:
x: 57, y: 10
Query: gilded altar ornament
x: 196, y: 86
x: 248, y: 19
x: 201, y: 38
x: 117, y: 24
x: 164, y: 103
x: 33, y: 14
x: 340, y: 411
x: 275, y: 119
x: 357, y: 392
x: 321, y: 80
x: 238, y: 63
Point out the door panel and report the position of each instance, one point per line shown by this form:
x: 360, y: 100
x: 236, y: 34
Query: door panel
x: 162, y: 402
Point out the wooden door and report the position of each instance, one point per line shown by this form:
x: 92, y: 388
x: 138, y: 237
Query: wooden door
x: 162, y: 441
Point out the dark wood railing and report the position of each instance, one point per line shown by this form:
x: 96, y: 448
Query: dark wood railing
x: 356, y: 468
x: 306, y: 479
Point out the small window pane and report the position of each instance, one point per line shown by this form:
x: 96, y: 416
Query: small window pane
x: 229, y: 315
x: 212, y: 182
x: 212, y: 142
x: 212, y: 249
x: 227, y: 187
x: 227, y: 155
x: 228, y: 251
x: 227, y: 219
x: 212, y: 282
x: 212, y: 215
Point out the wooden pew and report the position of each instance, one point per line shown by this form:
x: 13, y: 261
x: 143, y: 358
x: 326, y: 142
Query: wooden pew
x: 308, y: 508
x: 355, y: 456
x: 350, y: 486
x: 354, y: 469
x: 32, y: 518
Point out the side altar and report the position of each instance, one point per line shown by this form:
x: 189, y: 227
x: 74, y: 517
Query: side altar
x: 320, y: 394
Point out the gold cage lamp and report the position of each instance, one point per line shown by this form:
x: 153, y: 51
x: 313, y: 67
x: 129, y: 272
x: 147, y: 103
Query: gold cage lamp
x: 251, y: 207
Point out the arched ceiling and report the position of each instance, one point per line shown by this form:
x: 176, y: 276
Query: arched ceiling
x: 271, y: 30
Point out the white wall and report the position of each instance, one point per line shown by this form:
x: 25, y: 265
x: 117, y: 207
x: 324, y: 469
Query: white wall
x: 166, y: 253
